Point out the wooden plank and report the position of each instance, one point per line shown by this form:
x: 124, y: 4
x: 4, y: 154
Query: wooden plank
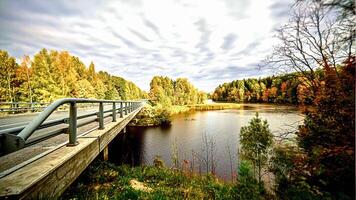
x: 51, y: 175
x: 22, y: 155
x: 106, y: 153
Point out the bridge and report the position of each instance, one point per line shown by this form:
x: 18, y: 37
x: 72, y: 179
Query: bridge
x: 42, y: 156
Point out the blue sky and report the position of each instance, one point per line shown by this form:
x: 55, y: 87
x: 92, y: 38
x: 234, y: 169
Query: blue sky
x: 207, y: 41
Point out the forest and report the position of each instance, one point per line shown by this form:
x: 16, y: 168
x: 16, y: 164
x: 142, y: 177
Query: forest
x: 166, y: 91
x: 287, y: 88
x: 51, y: 75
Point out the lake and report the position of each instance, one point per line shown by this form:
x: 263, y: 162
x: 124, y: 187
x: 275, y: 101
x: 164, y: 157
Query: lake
x: 219, y: 129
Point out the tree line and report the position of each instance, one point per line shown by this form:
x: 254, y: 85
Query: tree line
x: 320, y: 163
x: 288, y: 88
x: 167, y: 92
x: 51, y: 75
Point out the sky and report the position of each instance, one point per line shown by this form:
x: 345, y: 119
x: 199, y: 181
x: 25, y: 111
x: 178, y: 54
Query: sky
x: 207, y: 41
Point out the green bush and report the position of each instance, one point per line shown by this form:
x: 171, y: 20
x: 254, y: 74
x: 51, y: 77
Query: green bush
x: 247, y: 187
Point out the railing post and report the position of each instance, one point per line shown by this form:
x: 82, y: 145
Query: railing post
x: 101, y: 116
x: 113, y: 112
x: 73, y: 124
x: 125, y: 108
x: 121, y: 110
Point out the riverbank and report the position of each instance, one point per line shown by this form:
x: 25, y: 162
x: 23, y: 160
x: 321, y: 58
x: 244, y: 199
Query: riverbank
x: 159, y: 115
x: 214, y: 106
x: 103, y: 180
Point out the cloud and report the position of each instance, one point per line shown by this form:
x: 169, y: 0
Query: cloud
x: 151, y: 25
x: 229, y: 41
x: 208, y: 42
x: 139, y: 35
x: 205, y: 34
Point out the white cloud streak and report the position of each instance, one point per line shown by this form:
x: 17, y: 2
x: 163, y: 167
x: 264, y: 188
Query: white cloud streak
x: 206, y: 41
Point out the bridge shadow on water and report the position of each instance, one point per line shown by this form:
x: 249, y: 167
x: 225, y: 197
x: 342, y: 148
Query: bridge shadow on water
x: 127, y: 148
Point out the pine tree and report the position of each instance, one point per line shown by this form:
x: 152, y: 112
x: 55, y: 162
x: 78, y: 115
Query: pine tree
x: 256, y: 140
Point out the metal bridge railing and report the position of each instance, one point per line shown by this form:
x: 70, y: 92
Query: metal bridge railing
x: 16, y: 138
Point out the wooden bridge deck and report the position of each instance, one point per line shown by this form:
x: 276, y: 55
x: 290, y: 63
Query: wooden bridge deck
x: 56, y: 165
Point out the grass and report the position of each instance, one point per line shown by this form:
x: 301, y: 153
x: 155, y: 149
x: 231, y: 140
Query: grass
x: 212, y: 106
x: 103, y: 180
x: 178, y: 109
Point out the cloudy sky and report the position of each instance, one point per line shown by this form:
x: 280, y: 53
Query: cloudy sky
x: 207, y: 41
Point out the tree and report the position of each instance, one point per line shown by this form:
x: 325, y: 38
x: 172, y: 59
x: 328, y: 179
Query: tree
x: 52, y: 75
x: 282, y: 88
x: 256, y: 140
x: 44, y: 87
x: 8, y: 67
x: 247, y: 188
x: 96, y: 82
x: 64, y: 73
x: 23, y: 80
x: 288, y: 167
x: 314, y: 37
x: 111, y: 91
x: 321, y: 34
x: 167, y: 92
x: 328, y: 134
x: 84, y: 89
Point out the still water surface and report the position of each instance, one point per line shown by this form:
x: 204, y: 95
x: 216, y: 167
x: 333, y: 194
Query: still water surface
x: 187, y: 131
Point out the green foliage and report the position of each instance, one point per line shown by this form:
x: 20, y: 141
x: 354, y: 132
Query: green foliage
x: 153, y: 116
x: 83, y: 89
x: 256, y: 140
x: 158, y: 162
x: 288, y: 167
x: 52, y: 75
x: 164, y: 117
x: 8, y: 68
x: 247, y: 187
x: 105, y: 180
x: 166, y: 92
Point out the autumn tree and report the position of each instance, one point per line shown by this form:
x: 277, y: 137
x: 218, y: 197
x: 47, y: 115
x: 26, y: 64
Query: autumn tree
x: 314, y: 37
x: 8, y: 67
x: 51, y: 75
x: 167, y: 92
x: 44, y: 86
x: 278, y: 89
x: 321, y: 34
x: 23, y: 80
x: 65, y: 74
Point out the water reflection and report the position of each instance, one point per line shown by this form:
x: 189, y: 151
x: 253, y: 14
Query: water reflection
x: 127, y: 148
x: 141, y: 145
